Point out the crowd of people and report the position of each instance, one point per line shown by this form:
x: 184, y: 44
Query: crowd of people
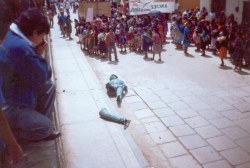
x: 216, y: 32
x: 138, y: 34
x: 144, y: 33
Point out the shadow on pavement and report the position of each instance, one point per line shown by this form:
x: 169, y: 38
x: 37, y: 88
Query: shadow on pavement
x: 113, y: 62
x: 189, y: 55
x: 242, y: 72
x: 206, y: 56
x: 159, y: 62
x: 225, y: 67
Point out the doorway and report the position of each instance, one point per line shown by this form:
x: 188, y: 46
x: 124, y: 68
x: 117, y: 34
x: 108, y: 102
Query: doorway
x: 218, y: 5
x: 246, y: 12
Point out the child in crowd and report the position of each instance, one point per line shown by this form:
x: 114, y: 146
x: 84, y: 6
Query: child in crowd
x: 157, y: 41
x: 222, y: 47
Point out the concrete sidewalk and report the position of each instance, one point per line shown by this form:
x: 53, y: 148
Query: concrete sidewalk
x: 87, y: 141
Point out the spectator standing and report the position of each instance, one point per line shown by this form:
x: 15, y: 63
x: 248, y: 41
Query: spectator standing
x: 110, y: 42
x: 67, y: 6
x: 69, y: 27
x: 130, y: 40
x: 101, y: 43
x: 187, y: 37
x: 160, y: 28
x: 222, y: 47
x: 197, y: 38
x: 146, y: 42
x: 62, y: 21
x: 157, y: 47
x: 51, y: 17
x: 205, y: 38
x: 238, y: 51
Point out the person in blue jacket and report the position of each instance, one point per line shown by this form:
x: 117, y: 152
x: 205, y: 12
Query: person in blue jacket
x: 187, y: 37
x: 27, y: 89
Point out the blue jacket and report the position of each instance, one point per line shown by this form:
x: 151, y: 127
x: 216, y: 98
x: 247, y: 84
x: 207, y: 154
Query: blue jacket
x: 1, y: 95
x: 23, y: 72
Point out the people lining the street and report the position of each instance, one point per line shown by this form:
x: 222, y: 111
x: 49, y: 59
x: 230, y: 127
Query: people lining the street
x: 191, y: 27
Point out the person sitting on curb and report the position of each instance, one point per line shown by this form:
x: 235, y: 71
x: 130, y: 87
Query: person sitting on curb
x: 27, y: 88
x: 116, y: 87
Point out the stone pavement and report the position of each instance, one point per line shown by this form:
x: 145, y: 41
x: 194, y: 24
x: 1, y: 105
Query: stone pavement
x: 186, y: 111
x: 87, y: 141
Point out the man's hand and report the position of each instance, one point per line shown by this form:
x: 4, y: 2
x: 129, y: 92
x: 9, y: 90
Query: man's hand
x: 41, y: 47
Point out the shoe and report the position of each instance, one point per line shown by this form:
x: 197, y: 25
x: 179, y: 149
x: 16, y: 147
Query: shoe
x: 52, y: 136
x: 159, y: 60
x: 119, y: 99
x: 116, y: 59
x: 126, y: 123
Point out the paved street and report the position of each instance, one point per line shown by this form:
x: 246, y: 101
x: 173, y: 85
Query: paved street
x: 186, y: 112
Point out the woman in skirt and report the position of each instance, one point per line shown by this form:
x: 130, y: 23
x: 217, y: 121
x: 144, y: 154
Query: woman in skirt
x: 157, y: 48
x: 221, y: 45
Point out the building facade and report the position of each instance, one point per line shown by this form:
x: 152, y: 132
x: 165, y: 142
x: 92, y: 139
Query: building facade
x: 184, y: 4
x: 239, y: 8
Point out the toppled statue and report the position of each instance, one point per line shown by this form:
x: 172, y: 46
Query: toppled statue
x: 110, y: 116
x: 116, y: 88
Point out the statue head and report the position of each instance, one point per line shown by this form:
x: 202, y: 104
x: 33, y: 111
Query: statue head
x: 113, y: 77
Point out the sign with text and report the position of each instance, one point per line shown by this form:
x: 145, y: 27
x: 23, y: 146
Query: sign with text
x: 90, y: 16
x: 99, y: 8
x: 140, y: 7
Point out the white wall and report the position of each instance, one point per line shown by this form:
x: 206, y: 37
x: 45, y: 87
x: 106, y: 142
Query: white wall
x: 230, y: 8
x: 206, y: 4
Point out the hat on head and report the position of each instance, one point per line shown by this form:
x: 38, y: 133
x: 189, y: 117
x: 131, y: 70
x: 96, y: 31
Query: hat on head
x: 113, y: 77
